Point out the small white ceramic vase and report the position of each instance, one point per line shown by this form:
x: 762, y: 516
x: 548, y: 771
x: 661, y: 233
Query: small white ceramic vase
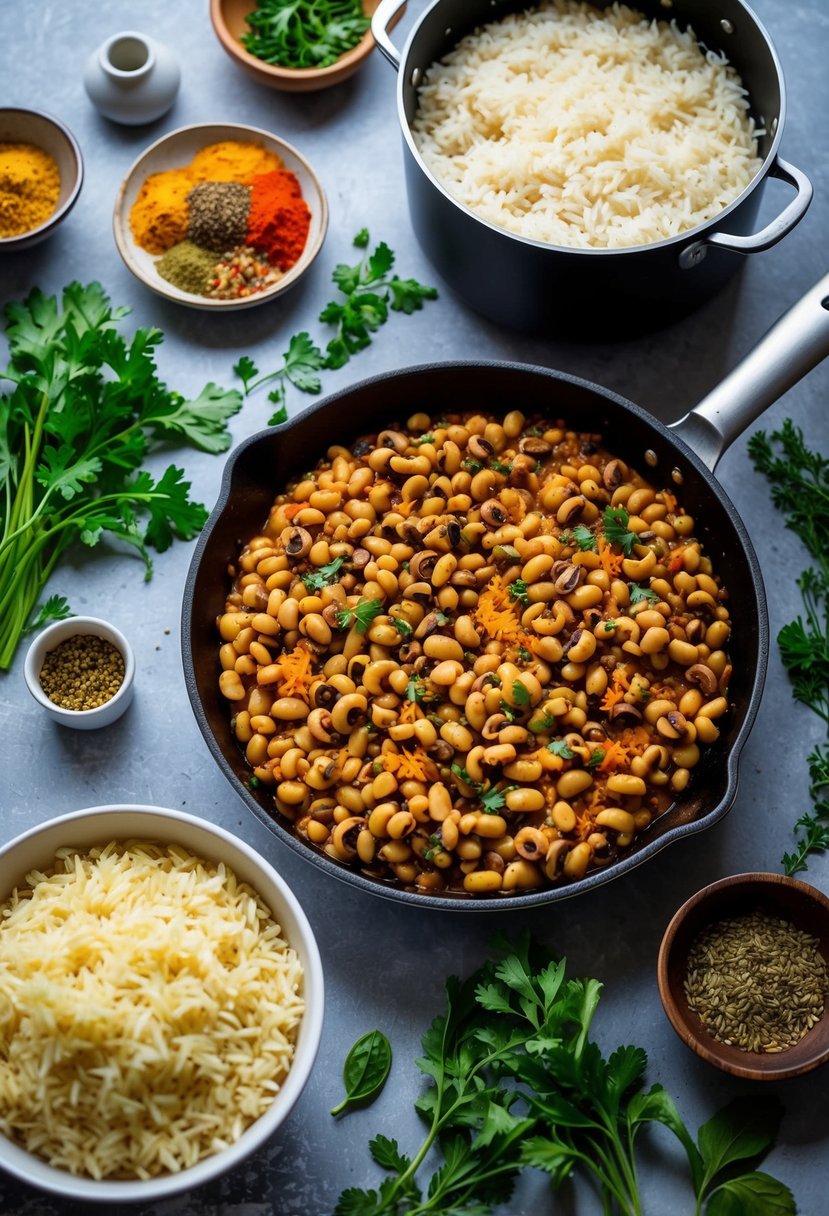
x: 131, y: 78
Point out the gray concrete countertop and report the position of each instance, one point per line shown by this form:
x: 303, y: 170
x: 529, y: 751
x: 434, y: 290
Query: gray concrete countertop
x: 385, y: 965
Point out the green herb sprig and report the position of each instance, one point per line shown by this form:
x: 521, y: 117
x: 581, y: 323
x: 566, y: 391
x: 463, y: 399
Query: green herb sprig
x: 304, y: 33
x: 361, y: 615
x: 514, y: 1080
x: 799, y: 480
x: 365, y: 1071
x: 615, y: 527
x: 85, y: 409
x: 368, y: 292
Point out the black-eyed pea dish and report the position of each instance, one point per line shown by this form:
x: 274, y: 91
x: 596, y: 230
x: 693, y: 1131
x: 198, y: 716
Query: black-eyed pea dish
x: 474, y: 656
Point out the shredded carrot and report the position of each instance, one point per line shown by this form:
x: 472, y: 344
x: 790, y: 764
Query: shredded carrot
x: 610, y: 698
x: 615, y: 756
x: 677, y: 561
x: 295, y: 673
x: 669, y: 500
x: 292, y: 508
x: 415, y: 765
x: 496, y: 614
x: 611, y: 562
x: 408, y: 712
x: 635, y: 739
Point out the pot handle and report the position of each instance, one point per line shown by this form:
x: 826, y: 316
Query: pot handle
x: 385, y: 16
x: 696, y: 252
x: 791, y: 348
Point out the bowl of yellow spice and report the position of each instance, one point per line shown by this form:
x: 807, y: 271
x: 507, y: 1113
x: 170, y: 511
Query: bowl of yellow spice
x: 220, y: 216
x: 743, y: 974
x: 81, y: 671
x: 41, y: 173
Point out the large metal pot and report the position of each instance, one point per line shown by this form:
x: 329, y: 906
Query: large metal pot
x: 684, y: 454
x: 535, y: 286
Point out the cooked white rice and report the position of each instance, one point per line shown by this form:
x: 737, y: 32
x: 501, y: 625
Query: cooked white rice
x: 148, y: 1010
x: 585, y: 127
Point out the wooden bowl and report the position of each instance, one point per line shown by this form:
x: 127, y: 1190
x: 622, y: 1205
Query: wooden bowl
x: 805, y: 907
x: 178, y: 148
x: 229, y: 22
x: 19, y: 126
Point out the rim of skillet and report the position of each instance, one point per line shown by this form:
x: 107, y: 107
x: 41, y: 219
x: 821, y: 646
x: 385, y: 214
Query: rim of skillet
x: 530, y: 899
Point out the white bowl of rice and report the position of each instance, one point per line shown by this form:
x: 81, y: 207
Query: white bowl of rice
x: 161, y: 1003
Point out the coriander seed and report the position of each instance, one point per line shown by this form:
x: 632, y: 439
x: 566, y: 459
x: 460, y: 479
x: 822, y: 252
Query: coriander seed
x: 756, y: 982
x: 82, y: 672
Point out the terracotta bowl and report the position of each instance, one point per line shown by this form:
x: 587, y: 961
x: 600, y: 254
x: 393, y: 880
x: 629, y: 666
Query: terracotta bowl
x: 229, y: 22
x: 33, y: 127
x: 178, y: 148
x: 795, y: 901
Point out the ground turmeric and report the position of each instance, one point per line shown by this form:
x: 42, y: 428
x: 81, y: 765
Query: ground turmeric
x: 29, y: 188
x: 160, y: 215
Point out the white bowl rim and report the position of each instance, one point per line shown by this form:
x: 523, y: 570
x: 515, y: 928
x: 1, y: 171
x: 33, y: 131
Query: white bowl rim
x: 36, y: 1172
x: 120, y: 224
x: 52, y: 635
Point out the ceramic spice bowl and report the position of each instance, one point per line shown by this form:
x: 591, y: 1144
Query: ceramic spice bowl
x: 82, y: 660
x: 176, y: 151
x: 41, y: 131
x: 770, y: 897
x: 229, y: 19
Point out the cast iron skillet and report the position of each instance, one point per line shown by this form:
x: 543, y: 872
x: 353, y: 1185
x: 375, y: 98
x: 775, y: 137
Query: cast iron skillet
x: 681, y: 456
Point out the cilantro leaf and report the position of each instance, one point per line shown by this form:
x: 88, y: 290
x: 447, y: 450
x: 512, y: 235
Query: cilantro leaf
x: 520, y: 693
x: 325, y: 576
x: 581, y: 537
x: 639, y: 594
x: 402, y: 626
x: 615, y: 527
x: 518, y: 590
x: 595, y: 758
x: 361, y: 615
x: 494, y: 799
x: 246, y: 370
x: 559, y: 748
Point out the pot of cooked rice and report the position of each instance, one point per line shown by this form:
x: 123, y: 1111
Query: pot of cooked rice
x: 572, y: 165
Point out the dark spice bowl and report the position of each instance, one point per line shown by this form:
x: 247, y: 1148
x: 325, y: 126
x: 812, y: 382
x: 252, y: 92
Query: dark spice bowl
x: 742, y: 894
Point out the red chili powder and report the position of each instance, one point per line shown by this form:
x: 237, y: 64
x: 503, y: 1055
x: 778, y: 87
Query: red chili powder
x: 279, y: 218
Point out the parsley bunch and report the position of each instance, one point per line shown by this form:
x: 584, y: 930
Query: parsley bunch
x: 514, y: 1080
x: 799, y: 481
x: 85, y: 407
x: 368, y: 292
x: 304, y: 33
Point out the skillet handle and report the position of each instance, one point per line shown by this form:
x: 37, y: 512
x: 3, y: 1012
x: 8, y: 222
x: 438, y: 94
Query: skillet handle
x: 791, y: 348
x: 385, y: 17
x: 695, y: 253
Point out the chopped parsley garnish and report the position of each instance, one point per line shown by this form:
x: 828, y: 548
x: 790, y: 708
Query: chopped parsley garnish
x: 525, y: 655
x: 441, y: 618
x: 424, y: 439
x: 506, y: 469
x: 415, y: 690
x: 472, y: 466
x: 615, y: 527
x: 493, y: 800
x: 539, y: 725
x: 402, y: 626
x: 559, y: 748
x: 519, y: 591
x: 596, y: 758
x: 609, y: 626
x: 520, y: 693
x: 462, y: 775
x: 361, y: 615
x: 315, y: 580
x: 638, y: 594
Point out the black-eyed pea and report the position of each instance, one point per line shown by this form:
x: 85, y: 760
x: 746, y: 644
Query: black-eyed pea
x: 490, y: 827
x: 440, y: 801
x: 581, y: 647
x: 469, y: 849
x: 636, y: 569
x: 573, y: 783
x: 380, y: 816
x: 446, y: 673
x: 717, y: 634
x: 641, y: 819
x: 686, y: 756
x: 289, y: 709
x: 482, y: 882
x: 466, y: 633
x: 524, y: 770
x: 231, y: 686
x: 563, y: 816
x: 348, y: 712
x: 345, y: 836
x: 713, y: 709
x: 577, y: 860
x: 317, y: 832
x: 419, y: 806
x: 525, y: 800
x: 425, y: 732
x: 554, y: 861
x: 384, y: 785
x: 679, y: 779
x: 263, y: 724
x: 230, y: 624
x: 395, y: 852
x: 460, y: 737
x: 536, y: 568
x: 595, y: 681
x: 400, y: 731
x: 443, y: 860
x: 260, y: 654
x: 227, y: 656
x: 707, y: 732
x: 626, y: 785
x: 588, y: 595
x: 531, y: 844
x: 616, y: 819
x: 400, y: 825
x: 264, y: 773
x: 406, y: 872
x: 288, y: 614
x: 654, y: 639
x: 261, y: 622
x: 690, y: 703
x: 242, y: 728
x: 474, y: 762
x: 439, y: 647
x: 683, y: 653
x: 521, y: 875
x: 292, y: 792
x: 499, y: 754
x: 467, y: 822
x: 549, y: 648
x: 245, y: 665
x: 449, y: 834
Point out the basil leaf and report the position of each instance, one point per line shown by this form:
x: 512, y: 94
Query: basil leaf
x: 744, y: 1128
x: 752, y: 1195
x: 366, y: 1068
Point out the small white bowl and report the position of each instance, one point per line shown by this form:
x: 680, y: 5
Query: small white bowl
x: 52, y: 636
x: 19, y: 126
x: 177, y: 149
x: 97, y: 826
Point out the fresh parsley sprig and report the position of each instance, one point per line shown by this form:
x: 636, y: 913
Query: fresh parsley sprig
x: 528, y: 1087
x: 303, y: 33
x: 85, y: 408
x: 799, y: 480
x: 324, y: 576
x: 361, y: 615
x: 368, y: 292
x: 615, y: 527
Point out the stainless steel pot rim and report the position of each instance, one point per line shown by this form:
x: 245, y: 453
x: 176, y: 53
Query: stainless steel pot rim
x: 462, y: 903
x: 680, y: 240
